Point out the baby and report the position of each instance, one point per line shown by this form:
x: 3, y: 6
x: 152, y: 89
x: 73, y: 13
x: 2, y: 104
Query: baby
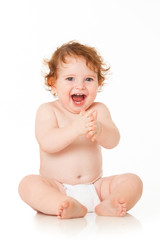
x: 70, y: 132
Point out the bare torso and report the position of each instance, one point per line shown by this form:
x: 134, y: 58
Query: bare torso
x: 80, y: 162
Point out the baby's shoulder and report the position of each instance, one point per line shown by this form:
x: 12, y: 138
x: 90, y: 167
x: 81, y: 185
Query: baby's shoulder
x: 102, y: 110
x: 47, y: 106
x: 100, y: 106
x: 46, y: 109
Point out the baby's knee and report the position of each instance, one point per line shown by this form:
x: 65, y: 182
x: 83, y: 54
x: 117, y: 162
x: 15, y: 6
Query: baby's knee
x: 136, y: 182
x: 25, y: 185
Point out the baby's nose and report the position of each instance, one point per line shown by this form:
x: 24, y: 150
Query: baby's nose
x: 80, y: 85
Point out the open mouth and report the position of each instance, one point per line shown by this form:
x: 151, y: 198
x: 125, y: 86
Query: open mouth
x: 78, y: 99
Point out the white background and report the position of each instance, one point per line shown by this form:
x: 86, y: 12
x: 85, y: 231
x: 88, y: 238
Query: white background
x: 127, y: 34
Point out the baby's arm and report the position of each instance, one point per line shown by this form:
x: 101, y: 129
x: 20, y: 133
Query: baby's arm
x: 50, y: 137
x: 104, y: 130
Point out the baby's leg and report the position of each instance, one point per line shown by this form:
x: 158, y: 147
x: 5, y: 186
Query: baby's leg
x: 118, y: 194
x: 48, y: 196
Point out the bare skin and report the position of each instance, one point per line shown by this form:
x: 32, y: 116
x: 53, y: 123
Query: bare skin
x: 71, y: 209
x: 70, y: 133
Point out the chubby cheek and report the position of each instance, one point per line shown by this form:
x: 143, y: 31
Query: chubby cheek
x: 93, y: 93
x: 64, y: 94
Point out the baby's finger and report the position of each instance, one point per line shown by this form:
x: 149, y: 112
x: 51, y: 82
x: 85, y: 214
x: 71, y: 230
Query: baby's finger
x: 91, y: 118
x: 90, y: 134
x: 93, y: 138
x: 82, y: 112
x: 92, y: 128
x: 90, y: 124
x: 91, y: 113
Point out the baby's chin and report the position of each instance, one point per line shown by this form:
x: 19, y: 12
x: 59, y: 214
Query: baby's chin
x: 77, y: 110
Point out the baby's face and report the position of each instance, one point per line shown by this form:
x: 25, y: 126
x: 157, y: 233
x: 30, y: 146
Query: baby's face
x: 76, y: 84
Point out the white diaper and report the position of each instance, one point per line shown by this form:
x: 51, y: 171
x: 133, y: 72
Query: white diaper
x: 84, y: 193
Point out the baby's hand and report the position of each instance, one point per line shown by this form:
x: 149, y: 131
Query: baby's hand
x: 92, y: 125
x: 81, y: 124
x: 87, y: 124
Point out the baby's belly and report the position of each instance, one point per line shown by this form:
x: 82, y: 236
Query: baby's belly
x: 72, y: 167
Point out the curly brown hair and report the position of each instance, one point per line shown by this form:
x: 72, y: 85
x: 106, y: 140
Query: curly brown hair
x: 75, y: 49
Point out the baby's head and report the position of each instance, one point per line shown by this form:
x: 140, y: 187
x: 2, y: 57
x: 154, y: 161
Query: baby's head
x: 74, y: 49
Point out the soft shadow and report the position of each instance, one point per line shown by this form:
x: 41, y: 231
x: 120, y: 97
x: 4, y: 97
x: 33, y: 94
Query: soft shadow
x: 90, y: 226
x: 118, y: 225
x: 60, y: 227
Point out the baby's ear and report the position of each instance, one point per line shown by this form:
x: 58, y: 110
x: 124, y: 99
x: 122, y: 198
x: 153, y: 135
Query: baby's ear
x: 51, y: 81
x: 52, y: 84
x: 54, y: 90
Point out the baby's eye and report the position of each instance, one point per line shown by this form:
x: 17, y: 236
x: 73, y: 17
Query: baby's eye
x: 89, y: 79
x: 70, y: 78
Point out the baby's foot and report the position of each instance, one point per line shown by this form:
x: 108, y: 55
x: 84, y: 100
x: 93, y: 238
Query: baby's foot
x: 71, y: 209
x: 114, y: 207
